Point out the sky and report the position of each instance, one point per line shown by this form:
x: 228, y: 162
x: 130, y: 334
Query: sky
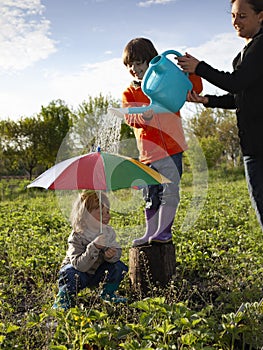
x: 72, y: 49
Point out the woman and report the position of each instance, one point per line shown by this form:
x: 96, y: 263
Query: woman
x: 245, y: 91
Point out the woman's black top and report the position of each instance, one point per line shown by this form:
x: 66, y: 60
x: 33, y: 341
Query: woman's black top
x: 245, y: 93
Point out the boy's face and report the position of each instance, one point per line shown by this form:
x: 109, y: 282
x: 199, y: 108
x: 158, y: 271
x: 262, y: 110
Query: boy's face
x: 137, y: 69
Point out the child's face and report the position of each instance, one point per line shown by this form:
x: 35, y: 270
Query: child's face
x: 105, y: 215
x: 137, y: 69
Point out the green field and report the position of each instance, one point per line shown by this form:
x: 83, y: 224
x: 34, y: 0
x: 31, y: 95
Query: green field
x: 215, y: 302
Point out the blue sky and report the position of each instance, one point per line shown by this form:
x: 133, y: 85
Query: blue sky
x: 71, y: 49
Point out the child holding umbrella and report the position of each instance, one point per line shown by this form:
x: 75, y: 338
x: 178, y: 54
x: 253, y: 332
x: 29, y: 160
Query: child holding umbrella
x: 93, y: 257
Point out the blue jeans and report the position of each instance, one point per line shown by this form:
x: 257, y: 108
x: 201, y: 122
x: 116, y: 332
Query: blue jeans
x: 172, y: 168
x: 72, y: 280
x: 254, y: 177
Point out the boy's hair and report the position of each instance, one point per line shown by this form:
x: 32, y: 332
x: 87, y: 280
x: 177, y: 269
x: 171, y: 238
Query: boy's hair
x: 85, y: 203
x: 139, y: 49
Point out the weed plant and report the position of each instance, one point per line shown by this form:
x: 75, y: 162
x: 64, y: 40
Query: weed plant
x: 215, y: 301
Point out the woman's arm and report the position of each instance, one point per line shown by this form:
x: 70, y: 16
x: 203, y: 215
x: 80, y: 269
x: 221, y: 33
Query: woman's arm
x: 245, y: 74
x: 226, y: 101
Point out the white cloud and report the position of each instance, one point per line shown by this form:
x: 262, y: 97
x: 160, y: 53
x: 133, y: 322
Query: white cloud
x: 24, y: 36
x: 109, y: 78
x: 148, y: 3
x: 32, y: 6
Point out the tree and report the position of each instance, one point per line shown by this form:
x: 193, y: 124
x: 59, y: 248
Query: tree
x: 7, y: 157
x: 212, y: 150
x: 228, y: 136
x: 31, y: 143
x: 29, y: 147
x: 216, y: 131
x: 203, y: 124
x: 54, y: 122
x: 13, y: 140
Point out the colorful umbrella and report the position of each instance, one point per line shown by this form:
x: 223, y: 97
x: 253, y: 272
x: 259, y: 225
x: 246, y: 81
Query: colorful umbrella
x: 98, y: 171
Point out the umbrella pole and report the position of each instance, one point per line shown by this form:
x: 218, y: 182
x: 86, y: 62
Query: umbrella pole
x: 100, y: 204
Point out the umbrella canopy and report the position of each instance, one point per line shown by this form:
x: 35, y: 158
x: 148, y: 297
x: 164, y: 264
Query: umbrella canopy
x: 98, y: 171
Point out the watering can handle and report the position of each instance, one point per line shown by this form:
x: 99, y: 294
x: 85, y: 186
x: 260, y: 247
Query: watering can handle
x: 176, y: 53
x: 169, y: 52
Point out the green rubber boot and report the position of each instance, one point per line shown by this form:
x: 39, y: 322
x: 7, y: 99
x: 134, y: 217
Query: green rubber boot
x: 108, y: 293
x: 63, y: 300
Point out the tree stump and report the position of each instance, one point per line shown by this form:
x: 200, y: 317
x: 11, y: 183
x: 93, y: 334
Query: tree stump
x: 151, y: 265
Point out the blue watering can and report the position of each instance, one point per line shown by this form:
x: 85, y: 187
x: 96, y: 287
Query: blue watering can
x: 165, y: 84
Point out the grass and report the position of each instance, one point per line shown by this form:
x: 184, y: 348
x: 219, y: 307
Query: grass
x: 215, y: 301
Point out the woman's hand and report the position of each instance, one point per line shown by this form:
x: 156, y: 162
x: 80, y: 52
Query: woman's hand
x: 188, y: 63
x: 192, y: 96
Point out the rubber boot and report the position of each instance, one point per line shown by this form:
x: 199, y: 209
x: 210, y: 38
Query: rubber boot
x: 151, y: 220
x: 166, y: 219
x: 63, y: 300
x: 108, y: 293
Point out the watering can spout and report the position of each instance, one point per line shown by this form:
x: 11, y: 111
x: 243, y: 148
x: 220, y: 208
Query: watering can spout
x: 118, y: 112
x: 121, y: 112
x: 165, y: 84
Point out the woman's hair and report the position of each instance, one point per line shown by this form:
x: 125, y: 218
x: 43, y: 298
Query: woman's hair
x: 85, y: 203
x: 139, y: 49
x: 256, y: 5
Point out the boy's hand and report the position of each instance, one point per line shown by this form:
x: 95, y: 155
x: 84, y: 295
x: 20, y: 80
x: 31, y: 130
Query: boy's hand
x: 148, y: 115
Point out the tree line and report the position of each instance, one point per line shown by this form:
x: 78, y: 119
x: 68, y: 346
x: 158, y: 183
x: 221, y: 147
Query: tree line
x: 217, y: 133
x: 31, y: 145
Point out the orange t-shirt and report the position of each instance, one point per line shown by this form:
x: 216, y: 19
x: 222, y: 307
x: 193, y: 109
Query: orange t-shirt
x: 162, y: 135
